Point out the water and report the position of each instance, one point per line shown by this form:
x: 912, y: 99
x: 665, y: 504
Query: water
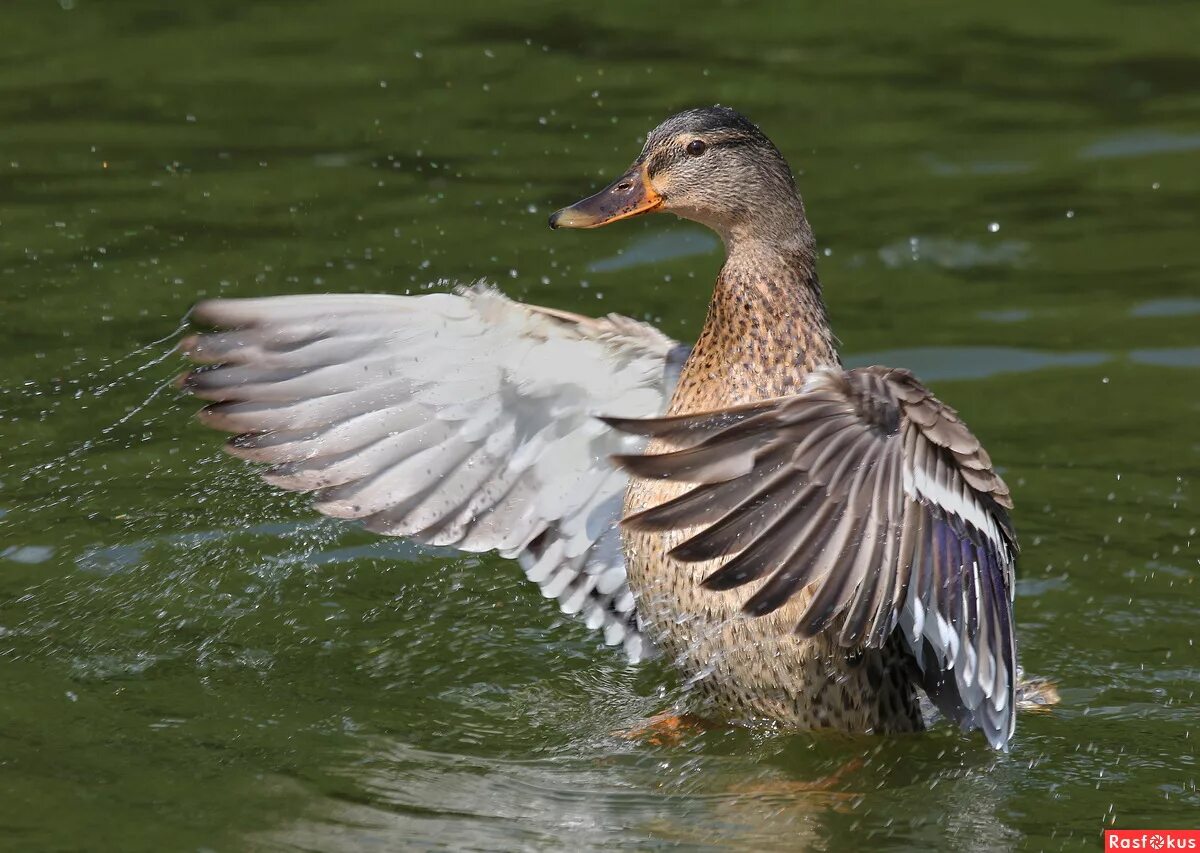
x: 1006, y: 201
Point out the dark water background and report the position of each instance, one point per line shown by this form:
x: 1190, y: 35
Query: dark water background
x: 1008, y: 201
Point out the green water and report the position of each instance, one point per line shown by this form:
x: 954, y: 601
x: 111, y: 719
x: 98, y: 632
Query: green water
x: 1007, y: 197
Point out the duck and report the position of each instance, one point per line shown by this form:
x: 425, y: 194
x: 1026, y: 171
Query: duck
x: 810, y: 545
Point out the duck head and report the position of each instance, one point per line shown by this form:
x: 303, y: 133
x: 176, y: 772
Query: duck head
x: 711, y: 165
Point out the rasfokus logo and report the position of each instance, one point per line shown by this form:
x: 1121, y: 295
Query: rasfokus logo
x: 1152, y: 839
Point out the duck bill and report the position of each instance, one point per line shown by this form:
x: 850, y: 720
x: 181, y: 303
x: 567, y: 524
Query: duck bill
x: 629, y: 195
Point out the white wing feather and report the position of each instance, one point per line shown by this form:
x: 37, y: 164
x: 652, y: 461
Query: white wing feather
x: 461, y: 419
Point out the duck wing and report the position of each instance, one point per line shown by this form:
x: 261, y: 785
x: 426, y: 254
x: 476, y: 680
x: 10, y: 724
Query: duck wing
x: 871, y: 493
x: 458, y: 419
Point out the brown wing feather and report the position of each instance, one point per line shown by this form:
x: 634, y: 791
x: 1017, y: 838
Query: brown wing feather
x: 870, y: 491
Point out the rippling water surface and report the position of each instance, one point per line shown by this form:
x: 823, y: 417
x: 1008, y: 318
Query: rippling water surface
x: 1006, y: 199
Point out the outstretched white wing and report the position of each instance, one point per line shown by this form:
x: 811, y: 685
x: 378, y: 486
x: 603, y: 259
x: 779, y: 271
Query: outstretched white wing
x: 461, y: 419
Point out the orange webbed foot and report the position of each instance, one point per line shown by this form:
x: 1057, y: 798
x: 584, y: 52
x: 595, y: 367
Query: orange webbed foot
x: 666, y: 729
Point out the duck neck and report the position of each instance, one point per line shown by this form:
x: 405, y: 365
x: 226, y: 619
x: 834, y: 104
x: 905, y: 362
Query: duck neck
x: 767, y: 326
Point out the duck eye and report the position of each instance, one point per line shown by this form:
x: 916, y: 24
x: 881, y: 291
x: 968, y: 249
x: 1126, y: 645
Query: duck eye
x: 696, y: 147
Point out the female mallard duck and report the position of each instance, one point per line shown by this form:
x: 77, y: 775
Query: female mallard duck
x: 808, y: 544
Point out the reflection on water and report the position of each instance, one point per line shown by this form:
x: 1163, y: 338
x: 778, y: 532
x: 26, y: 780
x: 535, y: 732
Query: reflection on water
x: 939, y: 363
x: 710, y: 796
x: 1178, y: 357
x: 679, y: 243
x: 947, y: 168
x: 1007, y: 315
x: 935, y: 363
x: 612, y: 800
x: 1141, y: 143
x: 27, y: 553
x: 953, y: 254
x: 1166, y: 308
x: 106, y: 559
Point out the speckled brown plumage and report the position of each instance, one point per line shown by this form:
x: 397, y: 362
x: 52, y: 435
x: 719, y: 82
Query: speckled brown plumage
x: 766, y: 329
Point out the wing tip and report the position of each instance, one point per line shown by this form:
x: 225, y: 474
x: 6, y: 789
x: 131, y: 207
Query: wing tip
x: 999, y: 732
x: 217, y: 415
x: 646, y: 427
x: 645, y: 466
x: 208, y: 311
x: 247, y: 446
